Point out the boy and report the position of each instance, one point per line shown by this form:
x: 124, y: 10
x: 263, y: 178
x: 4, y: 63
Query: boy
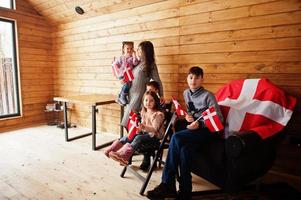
x: 184, y: 142
x: 153, y: 86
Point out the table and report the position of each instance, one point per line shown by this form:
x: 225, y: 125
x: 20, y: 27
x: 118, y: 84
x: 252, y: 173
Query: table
x: 92, y: 100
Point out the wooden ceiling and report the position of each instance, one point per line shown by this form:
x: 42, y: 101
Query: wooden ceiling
x: 63, y: 11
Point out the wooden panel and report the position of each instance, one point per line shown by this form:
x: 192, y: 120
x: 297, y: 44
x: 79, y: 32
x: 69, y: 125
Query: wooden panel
x: 265, y: 56
x: 282, y: 31
x: 247, y: 68
x: 208, y: 6
x: 64, y: 10
x: 24, y: 6
x: 243, y: 23
x: 248, y: 45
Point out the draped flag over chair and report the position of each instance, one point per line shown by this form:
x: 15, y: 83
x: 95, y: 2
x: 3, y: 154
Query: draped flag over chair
x: 179, y: 110
x: 128, y: 74
x: 255, y: 104
x: 132, y: 125
x: 211, y: 120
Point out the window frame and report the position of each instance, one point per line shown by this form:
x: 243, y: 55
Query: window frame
x: 16, y: 70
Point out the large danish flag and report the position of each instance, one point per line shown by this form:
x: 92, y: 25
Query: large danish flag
x: 254, y: 104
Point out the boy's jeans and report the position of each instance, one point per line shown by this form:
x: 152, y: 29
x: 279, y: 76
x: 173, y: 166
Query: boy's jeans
x: 181, y: 146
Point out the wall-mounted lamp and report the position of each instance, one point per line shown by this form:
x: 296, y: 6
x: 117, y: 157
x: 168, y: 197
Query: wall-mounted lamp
x: 79, y: 10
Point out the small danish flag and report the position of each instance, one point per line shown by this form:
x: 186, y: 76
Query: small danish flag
x: 179, y: 110
x: 212, y: 120
x: 132, y: 125
x: 128, y: 74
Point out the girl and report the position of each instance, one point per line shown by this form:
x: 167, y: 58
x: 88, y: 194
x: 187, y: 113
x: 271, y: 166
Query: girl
x: 149, y: 130
x: 128, y: 59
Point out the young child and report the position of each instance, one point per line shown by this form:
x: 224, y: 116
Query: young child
x: 127, y: 59
x: 183, y: 143
x: 155, y: 87
x: 151, y: 129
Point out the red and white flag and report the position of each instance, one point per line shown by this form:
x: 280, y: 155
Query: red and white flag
x: 116, y: 68
x: 254, y: 104
x: 132, y: 125
x: 179, y: 110
x: 128, y: 74
x: 212, y: 120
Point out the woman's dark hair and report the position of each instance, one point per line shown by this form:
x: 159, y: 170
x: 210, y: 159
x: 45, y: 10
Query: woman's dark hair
x: 148, y: 50
x: 196, y: 70
x: 127, y: 43
x: 156, y: 98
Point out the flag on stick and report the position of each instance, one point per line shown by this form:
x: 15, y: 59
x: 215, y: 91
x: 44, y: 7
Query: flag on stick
x: 212, y: 120
x: 128, y: 74
x: 116, y: 68
x: 132, y: 125
x: 179, y: 110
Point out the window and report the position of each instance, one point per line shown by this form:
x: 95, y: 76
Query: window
x: 9, y: 91
x: 7, y: 4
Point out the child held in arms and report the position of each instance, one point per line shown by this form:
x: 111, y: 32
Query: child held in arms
x: 127, y: 61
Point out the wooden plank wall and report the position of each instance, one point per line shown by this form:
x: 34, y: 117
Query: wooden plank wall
x: 231, y: 39
x: 34, y: 42
x: 85, y: 49
x: 242, y: 39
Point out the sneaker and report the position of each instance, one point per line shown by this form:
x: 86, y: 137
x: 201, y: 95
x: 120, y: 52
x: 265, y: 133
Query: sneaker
x: 119, y: 102
x: 162, y: 191
x: 122, y: 99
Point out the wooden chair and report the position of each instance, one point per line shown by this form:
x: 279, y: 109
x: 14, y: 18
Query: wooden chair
x: 158, y: 151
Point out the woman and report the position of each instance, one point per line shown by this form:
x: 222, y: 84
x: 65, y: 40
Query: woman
x: 143, y: 73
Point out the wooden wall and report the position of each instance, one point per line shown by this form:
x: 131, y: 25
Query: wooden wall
x: 84, y: 51
x: 242, y: 39
x: 229, y: 39
x: 36, y: 75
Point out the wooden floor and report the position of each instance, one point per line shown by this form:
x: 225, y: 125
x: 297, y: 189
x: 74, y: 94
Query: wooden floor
x: 37, y: 163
